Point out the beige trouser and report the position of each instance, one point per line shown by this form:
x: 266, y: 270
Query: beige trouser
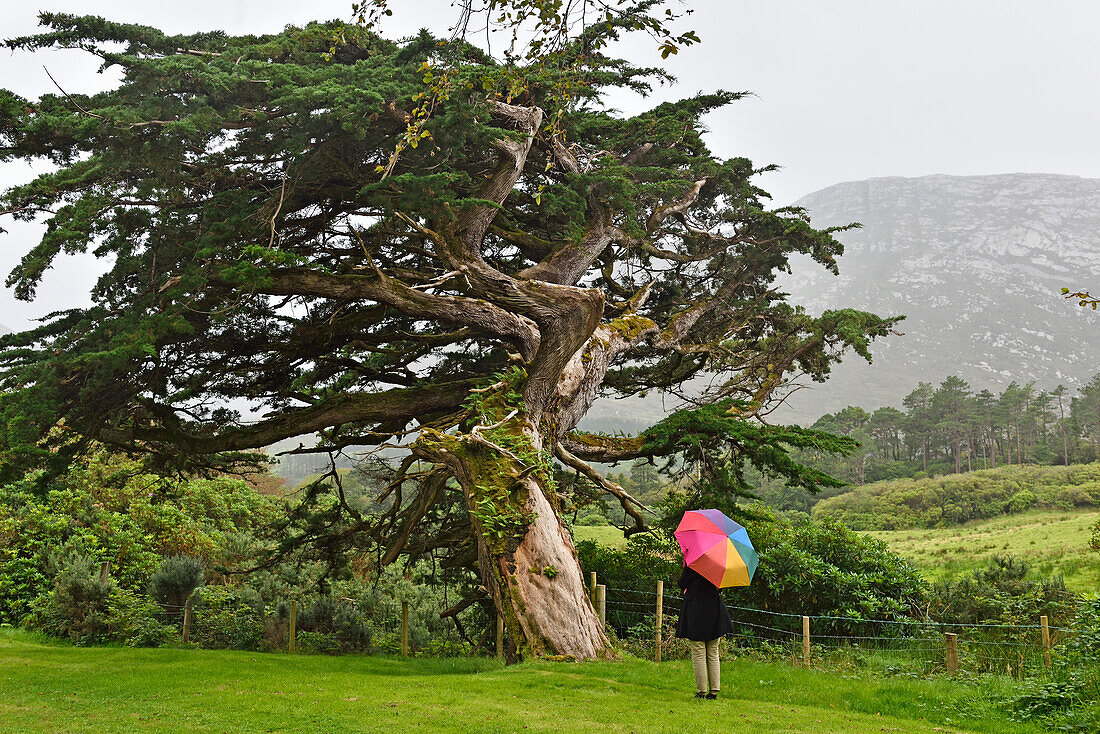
x: 704, y: 661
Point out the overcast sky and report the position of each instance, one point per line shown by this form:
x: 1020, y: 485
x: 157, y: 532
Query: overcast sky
x: 845, y: 89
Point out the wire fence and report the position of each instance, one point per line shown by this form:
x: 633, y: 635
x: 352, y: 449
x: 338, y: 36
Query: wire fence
x: 915, y: 645
x: 318, y: 626
x: 630, y: 615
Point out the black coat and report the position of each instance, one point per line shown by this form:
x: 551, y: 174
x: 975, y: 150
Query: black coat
x: 703, y: 614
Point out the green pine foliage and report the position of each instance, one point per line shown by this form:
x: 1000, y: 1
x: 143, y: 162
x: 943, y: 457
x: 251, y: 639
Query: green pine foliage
x: 230, y: 176
x: 950, y: 428
x: 175, y: 581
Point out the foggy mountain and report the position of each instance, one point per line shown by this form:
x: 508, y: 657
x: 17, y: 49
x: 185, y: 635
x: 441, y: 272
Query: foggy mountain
x: 977, y: 264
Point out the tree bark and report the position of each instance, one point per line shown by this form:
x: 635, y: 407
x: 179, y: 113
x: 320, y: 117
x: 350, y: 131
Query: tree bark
x: 526, y: 557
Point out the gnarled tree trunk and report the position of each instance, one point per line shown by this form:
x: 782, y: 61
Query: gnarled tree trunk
x: 526, y: 556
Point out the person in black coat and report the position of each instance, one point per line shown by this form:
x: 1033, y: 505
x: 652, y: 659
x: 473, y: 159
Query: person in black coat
x: 703, y: 621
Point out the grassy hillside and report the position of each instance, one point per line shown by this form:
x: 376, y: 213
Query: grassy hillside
x: 49, y: 688
x: 605, y: 535
x: 1052, y: 541
x: 958, y: 498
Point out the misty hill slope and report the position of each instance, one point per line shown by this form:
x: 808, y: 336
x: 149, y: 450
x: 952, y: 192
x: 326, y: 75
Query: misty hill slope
x: 977, y: 264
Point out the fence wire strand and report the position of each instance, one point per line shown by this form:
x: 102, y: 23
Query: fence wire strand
x: 356, y: 626
x: 983, y: 647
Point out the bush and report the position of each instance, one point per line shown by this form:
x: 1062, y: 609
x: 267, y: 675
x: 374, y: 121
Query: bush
x: 821, y: 568
x: 816, y: 568
x: 378, y: 605
x: 228, y: 618
x: 592, y: 519
x: 133, y: 620
x: 105, y: 508
x: 1000, y: 594
x: 317, y: 642
x: 86, y: 606
x: 1069, y: 699
x: 175, y: 581
x: 337, y: 620
x: 77, y: 608
x: 1022, y: 501
x: 958, y: 498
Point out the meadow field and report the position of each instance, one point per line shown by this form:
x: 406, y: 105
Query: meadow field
x: 605, y: 535
x: 1051, y: 541
x: 59, y: 688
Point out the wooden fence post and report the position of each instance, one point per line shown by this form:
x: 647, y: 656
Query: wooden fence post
x: 500, y: 636
x: 292, y: 633
x: 806, y: 641
x: 660, y: 614
x: 601, y: 603
x: 405, y: 628
x: 1046, y: 640
x: 952, y: 652
x: 592, y: 588
x: 187, y: 619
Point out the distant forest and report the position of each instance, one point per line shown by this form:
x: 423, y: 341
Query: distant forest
x: 939, y: 430
x: 952, y: 429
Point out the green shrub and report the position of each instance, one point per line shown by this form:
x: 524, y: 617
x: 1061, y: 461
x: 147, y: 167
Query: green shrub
x: 592, y: 519
x: 175, y: 581
x: 1022, y: 501
x: 1069, y: 699
x: 958, y: 498
x: 1000, y: 593
x: 105, y: 508
x: 342, y: 622
x: 815, y: 568
x: 77, y: 608
x: 377, y: 606
x: 133, y: 619
x: 86, y: 606
x: 228, y: 618
x: 317, y: 642
x: 821, y: 568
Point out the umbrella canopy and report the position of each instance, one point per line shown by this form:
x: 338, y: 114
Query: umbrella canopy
x: 716, y: 548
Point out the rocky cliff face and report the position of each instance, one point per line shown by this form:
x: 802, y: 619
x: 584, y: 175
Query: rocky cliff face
x: 977, y: 265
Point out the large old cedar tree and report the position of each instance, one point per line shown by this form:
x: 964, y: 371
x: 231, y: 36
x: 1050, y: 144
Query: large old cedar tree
x: 380, y: 245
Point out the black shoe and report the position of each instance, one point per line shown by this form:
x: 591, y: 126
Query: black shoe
x: 711, y: 696
x: 700, y: 694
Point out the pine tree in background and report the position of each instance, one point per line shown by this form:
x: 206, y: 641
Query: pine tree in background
x: 412, y: 245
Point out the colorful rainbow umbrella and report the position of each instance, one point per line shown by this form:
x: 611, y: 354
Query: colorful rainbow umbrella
x: 717, y: 548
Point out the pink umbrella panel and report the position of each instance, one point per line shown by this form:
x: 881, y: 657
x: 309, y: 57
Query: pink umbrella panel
x: 717, y: 548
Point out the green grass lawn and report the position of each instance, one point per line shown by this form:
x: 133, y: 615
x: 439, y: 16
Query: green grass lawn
x: 57, y: 688
x: 605, y: 535
x: 1051, y: 541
